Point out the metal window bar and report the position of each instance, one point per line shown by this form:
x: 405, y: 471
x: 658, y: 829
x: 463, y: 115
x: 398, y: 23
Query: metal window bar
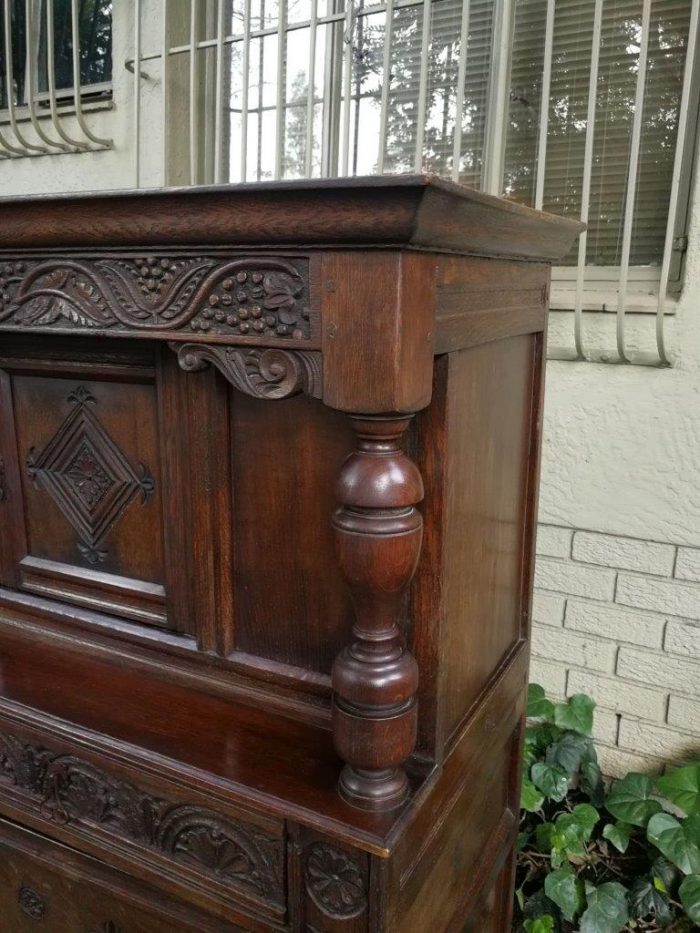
x: 32, y: 122
x: 341, y: 91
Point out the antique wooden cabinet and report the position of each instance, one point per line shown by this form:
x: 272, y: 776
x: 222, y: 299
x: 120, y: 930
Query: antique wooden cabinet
x: 268, y: 473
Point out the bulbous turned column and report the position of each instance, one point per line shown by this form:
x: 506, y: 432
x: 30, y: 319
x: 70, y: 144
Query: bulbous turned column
x: 378, y: 533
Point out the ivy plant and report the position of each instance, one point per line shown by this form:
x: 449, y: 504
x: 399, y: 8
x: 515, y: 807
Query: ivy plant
x: 597, y: 857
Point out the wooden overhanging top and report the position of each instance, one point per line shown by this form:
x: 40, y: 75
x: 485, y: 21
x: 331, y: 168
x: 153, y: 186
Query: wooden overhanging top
x: 404, y: 211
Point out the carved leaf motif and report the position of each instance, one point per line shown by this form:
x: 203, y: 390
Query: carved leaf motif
x: 253, y: 297
x: 70, y: 790
x: 269, y: 374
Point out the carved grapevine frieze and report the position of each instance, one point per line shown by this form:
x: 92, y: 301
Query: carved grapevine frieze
x: 70, y: 790
x: 335, y: 881
x: 256, y: 297
x: 269, y: 374
x: 87, y: 475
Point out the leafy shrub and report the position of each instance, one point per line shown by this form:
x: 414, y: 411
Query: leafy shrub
x: 598, y: 858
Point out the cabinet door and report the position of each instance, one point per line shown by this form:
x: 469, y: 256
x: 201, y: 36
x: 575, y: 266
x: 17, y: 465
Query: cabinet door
x: 93, y: 474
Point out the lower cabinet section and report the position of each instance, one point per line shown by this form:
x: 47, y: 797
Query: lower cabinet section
x: 45, y: 886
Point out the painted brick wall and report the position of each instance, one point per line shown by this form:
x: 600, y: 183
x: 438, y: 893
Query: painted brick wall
x: 619, y: 618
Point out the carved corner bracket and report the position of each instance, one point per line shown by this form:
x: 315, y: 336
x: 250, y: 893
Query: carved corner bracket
x: 263, y: 373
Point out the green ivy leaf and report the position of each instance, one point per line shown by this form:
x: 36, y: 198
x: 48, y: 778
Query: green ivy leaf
x: 530, y: 798
x: 569, y: 752
x: 664, y: 874
x: 543, y: 837
x: 678, y: 841
x: 591, y: 780
x: 540, y: 925
x: 689, y: 893
x: 646, y: 901
x: 682, y: 788
x: 619, y: 834
x: 576, y: 715
x: 553, y: 783
x: 564, y: 888
x: 630, y: 800
x: 571, y: 833
x: 607, y: 910
x: 538, y: 706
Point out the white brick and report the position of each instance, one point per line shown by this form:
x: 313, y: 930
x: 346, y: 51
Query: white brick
x: 660, y: 741
x: 624, y: 553
x: 548, y: 608
x: 553, y: 541
x: 575, y: 579
x: 571, y: 648
x: 683, y: 639
x: 684, y: 714
x: 550, y: 675
x: 669, y: 596
x: 616, y: 762
x: 619, y: 695
x: 662, y: 670
x: 610, y: 621
x: 688, y: 564
x: 605, y: 726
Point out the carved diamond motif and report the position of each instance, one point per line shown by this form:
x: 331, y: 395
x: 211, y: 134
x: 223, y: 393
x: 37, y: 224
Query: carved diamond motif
x: 87, y: 475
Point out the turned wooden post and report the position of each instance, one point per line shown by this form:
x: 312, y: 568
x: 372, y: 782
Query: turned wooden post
x: 378, y: 533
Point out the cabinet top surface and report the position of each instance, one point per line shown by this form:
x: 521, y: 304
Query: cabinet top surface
x: 400, y: 211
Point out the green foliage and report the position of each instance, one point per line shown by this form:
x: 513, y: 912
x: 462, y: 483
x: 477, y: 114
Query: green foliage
x: 607, y: 910
x: 689, y: 892
x: 601, y: 859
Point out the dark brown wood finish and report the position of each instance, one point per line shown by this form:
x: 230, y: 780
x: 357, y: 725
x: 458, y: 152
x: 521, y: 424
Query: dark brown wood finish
x: 266, y: 558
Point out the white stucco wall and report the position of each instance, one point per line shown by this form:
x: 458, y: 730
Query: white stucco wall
x: 618, y: 611
x: 104, y: 169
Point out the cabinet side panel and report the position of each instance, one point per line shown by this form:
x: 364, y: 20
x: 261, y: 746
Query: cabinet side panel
x: 291, y: 603
x: 489, y: 429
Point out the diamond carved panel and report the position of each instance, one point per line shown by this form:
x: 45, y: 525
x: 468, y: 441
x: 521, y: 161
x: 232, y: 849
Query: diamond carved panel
x: 87, y: 475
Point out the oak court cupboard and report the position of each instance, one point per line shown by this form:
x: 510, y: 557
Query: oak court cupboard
x: 268, y: 478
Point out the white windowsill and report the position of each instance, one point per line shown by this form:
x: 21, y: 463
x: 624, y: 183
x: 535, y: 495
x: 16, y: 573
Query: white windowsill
x: 602, y: 297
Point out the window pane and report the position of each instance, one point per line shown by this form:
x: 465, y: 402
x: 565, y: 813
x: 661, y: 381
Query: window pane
x: 615, y: 108
x: 95, y: 28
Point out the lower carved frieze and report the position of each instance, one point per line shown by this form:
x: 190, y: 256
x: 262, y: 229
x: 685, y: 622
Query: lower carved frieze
x: 69, y: 790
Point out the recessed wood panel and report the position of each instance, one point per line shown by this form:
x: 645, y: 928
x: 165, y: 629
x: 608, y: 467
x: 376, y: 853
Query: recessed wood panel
x: 88, y: 455
x: 291, y: 603
x: 488, y: 443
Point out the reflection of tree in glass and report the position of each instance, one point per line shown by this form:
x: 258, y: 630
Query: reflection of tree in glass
x: 442, y: 74
x: 615, y: 103
x: 95, y: 28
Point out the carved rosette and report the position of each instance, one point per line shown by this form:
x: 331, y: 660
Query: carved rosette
x: 31, y: 903
x: 262, y: 373
x: 253, y: 298
x: 72, y: 791
x: 335, y: 881
x: 378, y: 532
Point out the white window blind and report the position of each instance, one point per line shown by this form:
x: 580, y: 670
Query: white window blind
x: 620, y: 43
